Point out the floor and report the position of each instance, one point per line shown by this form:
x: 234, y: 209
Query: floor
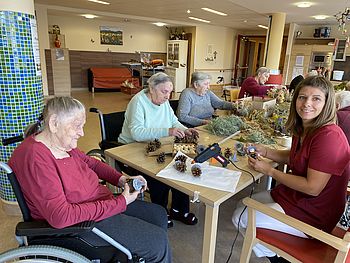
x: 186, y: 241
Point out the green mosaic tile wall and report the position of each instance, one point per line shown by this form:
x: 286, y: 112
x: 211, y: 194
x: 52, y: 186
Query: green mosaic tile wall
x: 21, y: 95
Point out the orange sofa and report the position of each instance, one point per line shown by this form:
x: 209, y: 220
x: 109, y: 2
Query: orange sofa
x: 110, y: 78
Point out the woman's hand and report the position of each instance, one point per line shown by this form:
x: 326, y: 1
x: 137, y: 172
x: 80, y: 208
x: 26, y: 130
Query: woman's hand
x: 176, y: 132
x: 205, y: 122
x: 260, y: 150
x: 260, y: 165
x: 129, y: 197
x: 191, y: 131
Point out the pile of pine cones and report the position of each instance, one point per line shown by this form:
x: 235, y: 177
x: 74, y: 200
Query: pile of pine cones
x: 153, y: 145
x: 180, y: 163
x: 187, y: 139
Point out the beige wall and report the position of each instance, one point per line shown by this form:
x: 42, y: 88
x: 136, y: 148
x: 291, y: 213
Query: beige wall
x: 223, y: 41
x: 23, y: 6
x: 79, y: 31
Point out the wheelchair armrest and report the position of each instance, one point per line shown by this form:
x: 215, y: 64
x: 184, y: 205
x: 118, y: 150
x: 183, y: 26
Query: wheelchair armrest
x: 39, y: 228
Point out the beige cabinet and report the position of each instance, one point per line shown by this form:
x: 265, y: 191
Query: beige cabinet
x: 304, y: 51
x: 177, y: 63
x: 178, y: 76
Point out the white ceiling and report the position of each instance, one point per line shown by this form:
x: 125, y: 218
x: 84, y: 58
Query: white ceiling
x: 254, y: 12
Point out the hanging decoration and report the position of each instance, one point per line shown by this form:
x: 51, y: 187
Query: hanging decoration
x: 342, y: 17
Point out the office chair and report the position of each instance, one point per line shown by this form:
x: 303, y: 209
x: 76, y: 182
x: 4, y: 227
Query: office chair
x: 38, y: 232
x: 320, y: 247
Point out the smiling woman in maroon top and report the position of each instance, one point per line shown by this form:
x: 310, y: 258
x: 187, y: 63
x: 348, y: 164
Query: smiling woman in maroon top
x: 315, y: 189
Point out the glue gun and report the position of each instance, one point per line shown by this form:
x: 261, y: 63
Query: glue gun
x: 214, y: 151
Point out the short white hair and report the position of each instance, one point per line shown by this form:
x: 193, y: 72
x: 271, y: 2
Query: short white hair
x: 342, y: 99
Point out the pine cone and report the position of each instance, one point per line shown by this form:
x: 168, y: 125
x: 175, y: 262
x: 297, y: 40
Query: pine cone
x: 228, y: 153
x: 196, y: 170
x: 180, y: 166
x: 181, y: 158
x: 150, y: 148
x: 187, y: 139
x: 161, y: 158
x: 157, y: 143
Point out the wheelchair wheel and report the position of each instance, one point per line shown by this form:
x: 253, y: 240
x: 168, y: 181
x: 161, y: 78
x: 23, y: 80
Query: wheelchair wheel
x: 42, y: 254
x: 98, y: 154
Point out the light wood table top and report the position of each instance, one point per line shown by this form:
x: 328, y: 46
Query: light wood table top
x: 134, y: 155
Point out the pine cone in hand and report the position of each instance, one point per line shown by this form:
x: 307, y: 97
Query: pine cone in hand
x: 228, y: 153
x: 180, y: 166
x: 181, y: 158
x: 161, y: 157
x: 196, y: 170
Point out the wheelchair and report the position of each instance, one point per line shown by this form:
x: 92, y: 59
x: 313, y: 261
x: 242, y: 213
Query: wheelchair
x: 33, y: 234
x: 111, y: 125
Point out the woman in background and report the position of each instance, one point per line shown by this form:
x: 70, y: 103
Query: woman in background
x: 342, y: 100
x: 254, y: 86
x: 197, y: 103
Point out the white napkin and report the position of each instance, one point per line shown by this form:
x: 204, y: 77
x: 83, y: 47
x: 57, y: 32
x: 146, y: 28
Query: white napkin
x: 212, y: 177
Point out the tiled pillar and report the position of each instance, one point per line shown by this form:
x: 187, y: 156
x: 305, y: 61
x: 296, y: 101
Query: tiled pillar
x: 21, y: 94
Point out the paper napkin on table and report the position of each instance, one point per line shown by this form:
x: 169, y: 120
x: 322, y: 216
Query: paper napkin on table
x: 212, y: 177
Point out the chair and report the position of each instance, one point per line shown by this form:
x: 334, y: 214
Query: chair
x: 234, y: 93
x: 322, y: 247
x: 111, y: 125
x: 35, y: 232
x: 231, y: 91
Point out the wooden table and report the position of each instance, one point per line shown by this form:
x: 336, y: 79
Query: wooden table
x: 134, y: 156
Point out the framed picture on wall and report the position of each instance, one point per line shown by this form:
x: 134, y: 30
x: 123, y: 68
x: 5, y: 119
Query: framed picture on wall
x: 111, y: 35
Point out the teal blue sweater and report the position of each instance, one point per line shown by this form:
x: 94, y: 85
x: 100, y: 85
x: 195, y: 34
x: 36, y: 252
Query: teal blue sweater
x: 145, y: 121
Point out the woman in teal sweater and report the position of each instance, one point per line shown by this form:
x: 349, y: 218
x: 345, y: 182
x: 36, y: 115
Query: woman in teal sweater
x: 149, y: 116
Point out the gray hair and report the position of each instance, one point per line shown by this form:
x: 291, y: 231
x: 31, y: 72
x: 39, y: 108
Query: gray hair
x: 262, y: 70
x: 199, y: 77
x: 342, y: 98
x: 63, y: 107
x: 158, y: 78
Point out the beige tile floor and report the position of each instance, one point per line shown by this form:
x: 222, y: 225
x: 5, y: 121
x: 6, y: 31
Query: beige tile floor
x: 186, y: 241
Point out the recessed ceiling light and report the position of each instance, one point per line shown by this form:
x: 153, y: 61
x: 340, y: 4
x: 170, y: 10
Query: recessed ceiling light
x: 188, y: 11
x: 159, y: 24
x: 99, y: 2
x: 245, y: 21
x: 264, y: 27
x: 214, y: 11
x: 303, y: 4
x: 320, y: 17
x: 199, y: 19
x: 89, y: 16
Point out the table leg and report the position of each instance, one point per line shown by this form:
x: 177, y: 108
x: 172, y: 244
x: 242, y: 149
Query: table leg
x: 210, y: 231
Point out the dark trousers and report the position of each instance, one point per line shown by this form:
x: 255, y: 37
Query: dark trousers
x: 159, y: 193
x: 142, y: 228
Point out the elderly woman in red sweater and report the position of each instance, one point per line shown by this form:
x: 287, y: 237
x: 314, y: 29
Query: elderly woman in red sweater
x: 254, y: 86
